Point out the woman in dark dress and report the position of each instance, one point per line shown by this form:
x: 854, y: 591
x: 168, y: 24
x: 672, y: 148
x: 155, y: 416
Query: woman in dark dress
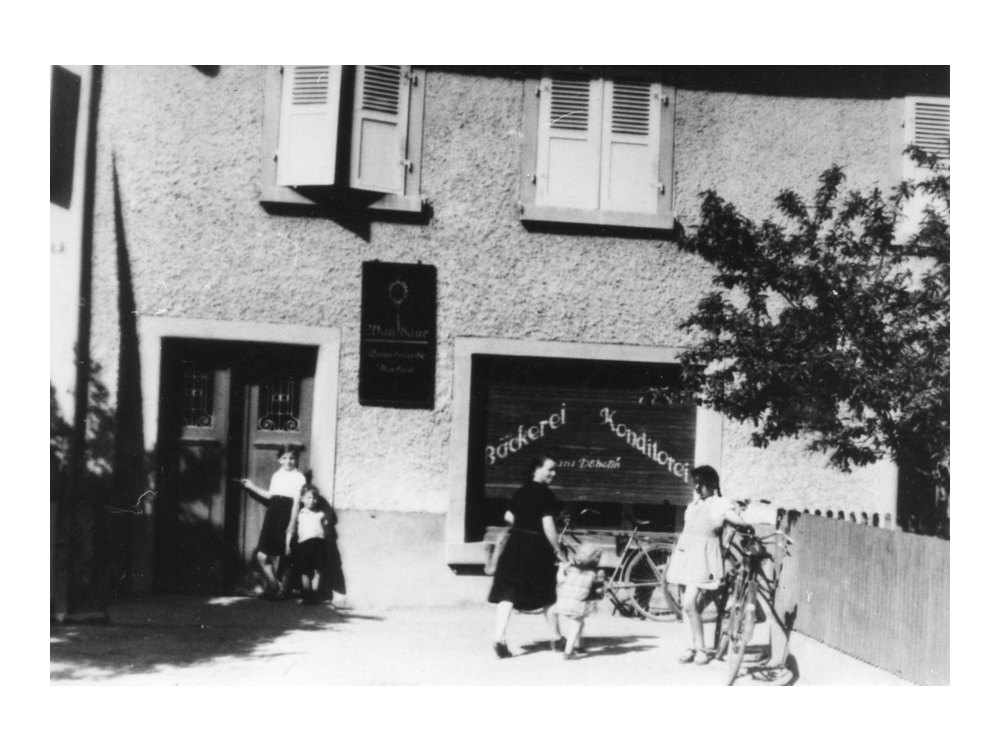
x: 525, y: 578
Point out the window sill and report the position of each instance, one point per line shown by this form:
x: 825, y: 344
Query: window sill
x: 555, y: 214
x: 278, y: 195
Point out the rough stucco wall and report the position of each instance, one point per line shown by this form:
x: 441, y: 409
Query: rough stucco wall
x: 748, y: 149
x: 201, y: 246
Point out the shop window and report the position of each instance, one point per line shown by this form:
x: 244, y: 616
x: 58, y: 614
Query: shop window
x: 631, y: 461
x: 335, y: 130
x: 614, y: 454
x: 598, y: 149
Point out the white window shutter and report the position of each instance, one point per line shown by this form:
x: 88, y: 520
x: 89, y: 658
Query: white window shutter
x: 630, y: 155
x: 381, y: 116
x: 569, y: 142
x: 307, y: 130
x: 927, y: 124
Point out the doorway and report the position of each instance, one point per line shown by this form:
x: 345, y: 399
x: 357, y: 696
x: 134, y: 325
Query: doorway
x: 225, y: 408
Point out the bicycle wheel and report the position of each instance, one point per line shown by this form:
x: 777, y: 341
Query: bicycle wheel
x: 742, y: 619
x: 645, y: 575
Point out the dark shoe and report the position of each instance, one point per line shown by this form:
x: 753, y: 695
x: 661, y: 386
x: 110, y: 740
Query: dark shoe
x: 501, y: 650
x: 559, y: 644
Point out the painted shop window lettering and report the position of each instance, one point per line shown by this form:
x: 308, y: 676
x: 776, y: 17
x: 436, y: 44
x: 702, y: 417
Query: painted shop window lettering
x: 511, y: 444
x: 591, y: 463
x: 647, y: 447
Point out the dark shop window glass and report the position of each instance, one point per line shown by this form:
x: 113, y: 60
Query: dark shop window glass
x: 62, y: 134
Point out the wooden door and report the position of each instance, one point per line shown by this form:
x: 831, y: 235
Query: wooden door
x: 195, y: 428
x: 225, y: 409
x: 277, y: 398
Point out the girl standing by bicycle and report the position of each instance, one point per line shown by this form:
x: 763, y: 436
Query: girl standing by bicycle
x: 696, y: 564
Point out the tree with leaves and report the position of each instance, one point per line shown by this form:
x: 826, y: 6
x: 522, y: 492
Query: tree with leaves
x: 824, y: 325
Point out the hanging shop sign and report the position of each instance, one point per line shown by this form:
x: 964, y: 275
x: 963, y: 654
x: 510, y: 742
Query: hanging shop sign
x: 398, y: 335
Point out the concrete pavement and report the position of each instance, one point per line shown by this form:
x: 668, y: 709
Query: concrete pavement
x: 243, y: 641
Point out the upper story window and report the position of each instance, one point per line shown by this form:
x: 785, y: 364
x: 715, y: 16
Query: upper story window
x: 331, y: 126
x: 63, y: 114
x: 926, y: 123
x: 598, y: 149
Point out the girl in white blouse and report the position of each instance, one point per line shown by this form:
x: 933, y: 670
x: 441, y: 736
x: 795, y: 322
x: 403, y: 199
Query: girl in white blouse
x: 286, y: 486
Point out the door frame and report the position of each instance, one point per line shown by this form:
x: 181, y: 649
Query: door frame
x: 323, y: 435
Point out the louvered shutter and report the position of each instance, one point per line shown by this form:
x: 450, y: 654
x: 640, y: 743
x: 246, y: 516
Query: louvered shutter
x: 630, y: 153
x: 928, y: 125
x: 569, y: 142
x: 307, y: 130
x: 381, y: 115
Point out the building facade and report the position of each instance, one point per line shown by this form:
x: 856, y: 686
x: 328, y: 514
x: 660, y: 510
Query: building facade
x: 424, y: 276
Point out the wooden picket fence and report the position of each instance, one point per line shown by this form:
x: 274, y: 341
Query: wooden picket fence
x: 880, y: 595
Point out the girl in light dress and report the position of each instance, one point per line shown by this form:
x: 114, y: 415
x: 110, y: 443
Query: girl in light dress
x: 696, y: 564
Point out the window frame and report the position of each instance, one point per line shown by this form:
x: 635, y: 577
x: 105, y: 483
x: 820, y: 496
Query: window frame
x: 411, y: 201
x: 532, y: 212
x: 464, y: 552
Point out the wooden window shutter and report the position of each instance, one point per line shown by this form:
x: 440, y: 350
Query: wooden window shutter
x: 928, y: 125
x: 569, y: 142
x: 307, y: 129
x: 381, y: 114
x: 630, y: 153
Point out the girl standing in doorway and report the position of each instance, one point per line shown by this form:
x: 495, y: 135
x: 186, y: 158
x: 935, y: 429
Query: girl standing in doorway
x: 285, y: 489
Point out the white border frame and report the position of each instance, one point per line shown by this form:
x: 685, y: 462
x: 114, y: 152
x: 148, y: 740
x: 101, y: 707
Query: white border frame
x: 708, y: 430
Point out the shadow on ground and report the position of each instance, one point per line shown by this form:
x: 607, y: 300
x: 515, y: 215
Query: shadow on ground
x: 601, y: 645
x: 147, y: 634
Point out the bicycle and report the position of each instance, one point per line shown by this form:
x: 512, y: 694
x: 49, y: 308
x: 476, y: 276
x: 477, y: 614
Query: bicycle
x: 637, y: 586
x: 748, y: 593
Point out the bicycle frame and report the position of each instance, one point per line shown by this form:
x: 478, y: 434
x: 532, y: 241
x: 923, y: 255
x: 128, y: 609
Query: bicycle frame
x: 639, y: 576
x: 748, y: 586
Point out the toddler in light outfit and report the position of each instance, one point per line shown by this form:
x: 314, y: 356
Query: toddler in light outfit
x: 309, y: 528
x: 580, y: 585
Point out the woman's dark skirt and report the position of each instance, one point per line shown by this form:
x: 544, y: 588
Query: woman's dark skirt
x: 526, y: 572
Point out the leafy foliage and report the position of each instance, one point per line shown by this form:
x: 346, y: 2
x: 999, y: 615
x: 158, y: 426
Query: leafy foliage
x: 824, y: 326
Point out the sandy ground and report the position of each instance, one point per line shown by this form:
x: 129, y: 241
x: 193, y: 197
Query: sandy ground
x: 242, y: 641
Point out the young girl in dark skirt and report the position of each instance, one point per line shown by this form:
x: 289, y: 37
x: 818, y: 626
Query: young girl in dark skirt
x: 286, y: 486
